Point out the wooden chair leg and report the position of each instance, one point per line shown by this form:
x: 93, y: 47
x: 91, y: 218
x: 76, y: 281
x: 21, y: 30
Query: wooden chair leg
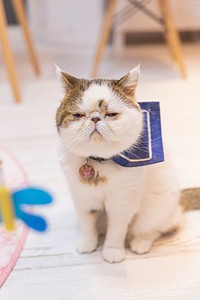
x: 8, y: 54
x: 172, y: 36
x: 106, y: 28
x: 19, y: 9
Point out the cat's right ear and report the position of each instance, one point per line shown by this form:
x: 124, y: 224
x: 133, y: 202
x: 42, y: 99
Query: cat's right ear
x: 67, y: 80
x: 128, y: 83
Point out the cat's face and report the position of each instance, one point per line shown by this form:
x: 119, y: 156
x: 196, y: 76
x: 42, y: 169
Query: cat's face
x: 99, y: 117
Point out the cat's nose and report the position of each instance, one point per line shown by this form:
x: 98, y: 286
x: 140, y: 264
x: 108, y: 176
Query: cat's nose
x: 96, y: 119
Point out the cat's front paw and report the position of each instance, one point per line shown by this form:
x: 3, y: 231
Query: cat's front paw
x: 84, y: 245
x: 141, y: 246
x: 114, y: 255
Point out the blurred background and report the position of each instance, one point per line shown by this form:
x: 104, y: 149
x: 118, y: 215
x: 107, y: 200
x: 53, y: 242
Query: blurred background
x: 93, y: 38
x: 65, y: 30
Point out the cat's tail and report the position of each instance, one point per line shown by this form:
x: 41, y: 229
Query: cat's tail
x: 190, y: 199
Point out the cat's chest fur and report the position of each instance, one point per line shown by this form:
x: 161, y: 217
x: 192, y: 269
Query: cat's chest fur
x: 108, y: 172
x: 110, y: 179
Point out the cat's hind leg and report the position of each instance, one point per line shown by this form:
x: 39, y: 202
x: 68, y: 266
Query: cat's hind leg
x: 146, y: 231
x: 143, y: 243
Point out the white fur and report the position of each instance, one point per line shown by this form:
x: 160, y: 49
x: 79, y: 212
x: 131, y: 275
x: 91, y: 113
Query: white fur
x: 143, y: 199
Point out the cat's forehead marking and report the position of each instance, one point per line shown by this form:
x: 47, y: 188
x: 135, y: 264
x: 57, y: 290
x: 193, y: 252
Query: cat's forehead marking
x: 97, y: 97
x: 101, y: 103
x: 103, y: 106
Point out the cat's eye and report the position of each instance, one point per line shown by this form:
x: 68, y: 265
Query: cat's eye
x: 78, y: 116
x: 112, y: 115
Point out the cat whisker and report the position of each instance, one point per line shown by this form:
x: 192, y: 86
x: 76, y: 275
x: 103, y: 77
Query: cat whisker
x: 74, y: 142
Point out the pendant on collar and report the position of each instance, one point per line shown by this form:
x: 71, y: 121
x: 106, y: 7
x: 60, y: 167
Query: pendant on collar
x: 87, y: 172
x: 149, y: 148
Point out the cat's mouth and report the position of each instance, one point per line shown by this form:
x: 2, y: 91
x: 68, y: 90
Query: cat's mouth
x: 95, y: 131
x: 96, y: 135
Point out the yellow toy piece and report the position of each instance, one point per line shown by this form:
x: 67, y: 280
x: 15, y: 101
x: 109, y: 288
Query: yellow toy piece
x: 6, y: 209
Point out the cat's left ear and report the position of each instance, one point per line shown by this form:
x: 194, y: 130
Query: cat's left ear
x: 129, y: 82
x: 67, y: 80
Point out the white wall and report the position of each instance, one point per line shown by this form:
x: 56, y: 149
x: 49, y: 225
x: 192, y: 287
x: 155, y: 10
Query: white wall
x: 72, y: 23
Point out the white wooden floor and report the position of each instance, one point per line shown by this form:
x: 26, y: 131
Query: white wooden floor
x: 49, y: 268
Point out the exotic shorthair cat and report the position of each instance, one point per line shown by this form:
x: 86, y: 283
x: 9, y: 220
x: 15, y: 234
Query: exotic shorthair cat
x: 98, y: 119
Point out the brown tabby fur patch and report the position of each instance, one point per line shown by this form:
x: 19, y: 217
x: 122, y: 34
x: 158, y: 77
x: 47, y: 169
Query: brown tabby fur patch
x: 95, y: 181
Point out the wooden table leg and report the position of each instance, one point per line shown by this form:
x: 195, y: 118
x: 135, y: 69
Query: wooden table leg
x: 7, y: 53
x: 172, y: 36
x: 19, y: 9
x: 106, y: 28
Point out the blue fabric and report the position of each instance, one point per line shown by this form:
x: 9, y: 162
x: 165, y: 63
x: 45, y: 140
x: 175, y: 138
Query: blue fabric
x: 149, y: 148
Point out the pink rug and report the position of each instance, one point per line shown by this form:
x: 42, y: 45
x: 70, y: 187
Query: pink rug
x: 11, y: 244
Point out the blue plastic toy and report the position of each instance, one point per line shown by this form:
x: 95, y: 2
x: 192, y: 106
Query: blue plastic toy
x: 18, y: 203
